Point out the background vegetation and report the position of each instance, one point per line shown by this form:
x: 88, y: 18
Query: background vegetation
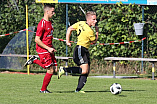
x: 115, y: 25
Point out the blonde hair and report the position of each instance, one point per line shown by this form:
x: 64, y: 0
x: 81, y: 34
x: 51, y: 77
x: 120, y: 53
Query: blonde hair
x: 90, y: 13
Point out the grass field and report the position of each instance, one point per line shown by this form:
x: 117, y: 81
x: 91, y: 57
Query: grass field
x: 24, y: 89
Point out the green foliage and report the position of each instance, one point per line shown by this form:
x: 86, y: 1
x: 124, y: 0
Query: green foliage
x: 11, y: 20
x: 116, y: 25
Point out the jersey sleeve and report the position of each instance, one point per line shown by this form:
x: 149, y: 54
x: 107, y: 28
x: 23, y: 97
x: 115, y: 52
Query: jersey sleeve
x: 75, y: 26
x: 40, y: 29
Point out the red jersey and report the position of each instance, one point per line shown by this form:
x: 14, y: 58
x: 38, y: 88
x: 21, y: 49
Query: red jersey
x: 45, y: 31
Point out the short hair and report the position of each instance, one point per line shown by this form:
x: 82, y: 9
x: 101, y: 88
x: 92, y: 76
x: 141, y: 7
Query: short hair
x: 46, y: 6
x: 89, y: 13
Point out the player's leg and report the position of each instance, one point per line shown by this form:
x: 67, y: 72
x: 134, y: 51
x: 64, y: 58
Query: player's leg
x: 47, y: 80
x: 43, y: 60
x: 85, y: 68
x: 53, y: 67
x: 71, y: 70
x: 30, y: 61
x: 83, y: 77
x: 84, y: 59
x: 35, y: 60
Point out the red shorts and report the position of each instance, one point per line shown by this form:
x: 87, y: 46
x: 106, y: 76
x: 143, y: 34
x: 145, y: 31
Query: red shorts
x: 48, y: 59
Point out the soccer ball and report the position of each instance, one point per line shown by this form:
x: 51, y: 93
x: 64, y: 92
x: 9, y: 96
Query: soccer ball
x: 116, y: 88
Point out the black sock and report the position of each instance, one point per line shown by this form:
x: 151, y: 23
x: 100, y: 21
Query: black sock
x: 81, y: 82
x: 73, y: 70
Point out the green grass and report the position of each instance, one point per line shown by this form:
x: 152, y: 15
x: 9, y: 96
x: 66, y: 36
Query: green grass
x: 24, y: 89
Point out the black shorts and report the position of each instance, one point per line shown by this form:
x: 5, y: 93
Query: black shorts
x: 81, y: 55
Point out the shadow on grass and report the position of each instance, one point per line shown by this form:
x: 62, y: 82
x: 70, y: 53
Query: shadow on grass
x: 63, y: 91
x: 133, y: 90
x: 97, y: 91
x: 74, y: 91
x: 122, y: 95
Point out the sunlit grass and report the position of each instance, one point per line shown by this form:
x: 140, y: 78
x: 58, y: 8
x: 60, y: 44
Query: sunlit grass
x: 24, y: 89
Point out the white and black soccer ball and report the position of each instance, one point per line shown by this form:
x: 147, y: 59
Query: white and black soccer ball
x: 116, y: 88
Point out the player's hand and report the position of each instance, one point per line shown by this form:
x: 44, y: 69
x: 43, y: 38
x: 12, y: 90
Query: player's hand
x: 96, y: 28
x: 97, y: 31
x: 69, y: 44
x: 51, y: 50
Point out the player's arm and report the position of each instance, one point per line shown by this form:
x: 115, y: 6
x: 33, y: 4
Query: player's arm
x: 97, y: 32
x: 68, y: 34
x: 96, y: 36
x: 41, y: 44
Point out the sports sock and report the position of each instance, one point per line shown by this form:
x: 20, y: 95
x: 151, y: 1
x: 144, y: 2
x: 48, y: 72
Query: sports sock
x: 73, y: 70
x: 46, y: 81
x: 81, y: 82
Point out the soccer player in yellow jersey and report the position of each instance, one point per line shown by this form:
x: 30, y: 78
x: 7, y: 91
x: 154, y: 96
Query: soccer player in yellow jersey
x: 85, y: 37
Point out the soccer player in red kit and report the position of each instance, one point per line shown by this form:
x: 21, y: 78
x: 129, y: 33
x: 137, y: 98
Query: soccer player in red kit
x: 44, y: 47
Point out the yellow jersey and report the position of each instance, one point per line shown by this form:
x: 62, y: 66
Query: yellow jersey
x: 85, y: 34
